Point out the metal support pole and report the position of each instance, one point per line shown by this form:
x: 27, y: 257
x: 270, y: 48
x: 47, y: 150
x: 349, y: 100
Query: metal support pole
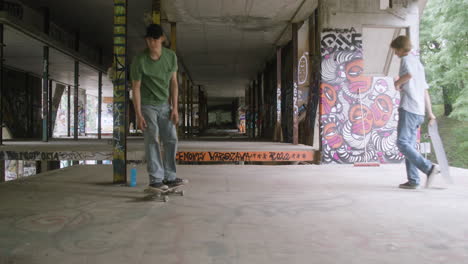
x: 191, y: 110
x: 200, y: 118
x: 99, y: 110
x: 295, y: 29
x: 1, y: 88
x: 50, y: 112
x: 173, y: 36
x: 252, y: 110
x: 278, y: 128
x: 30, y: 105
x: 189, y: 105
x: 2, y: 171
x: 260, y: 105
x: 188, y: 108
x: 75, y: 99
x: 119, y: 162
x: 46, y: 15
x: 45, y: 94
x: 156, y: 7
x: 255, y: 100
x: 69, y: 111
x: 184, y: 91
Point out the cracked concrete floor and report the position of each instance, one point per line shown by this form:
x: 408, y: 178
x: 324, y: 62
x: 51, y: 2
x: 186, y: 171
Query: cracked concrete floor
x: 235, y: 214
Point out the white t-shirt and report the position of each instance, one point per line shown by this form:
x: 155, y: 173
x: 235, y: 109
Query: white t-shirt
x: 413, y: 91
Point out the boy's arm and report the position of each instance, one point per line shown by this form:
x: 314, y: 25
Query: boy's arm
x: 427, y: 100
x: 136, y: 87
x: 174, y: 98
x: 403, y: 79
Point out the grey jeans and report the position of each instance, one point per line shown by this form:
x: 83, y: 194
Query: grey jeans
x: 160, y: 126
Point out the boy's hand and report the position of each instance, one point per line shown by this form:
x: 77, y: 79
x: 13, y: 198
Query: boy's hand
x: 397, y: 86
x: 141, y: 122
x: 175, y: 116
x: 432, y: 119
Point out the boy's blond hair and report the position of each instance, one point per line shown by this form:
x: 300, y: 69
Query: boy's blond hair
x: 401, y: 42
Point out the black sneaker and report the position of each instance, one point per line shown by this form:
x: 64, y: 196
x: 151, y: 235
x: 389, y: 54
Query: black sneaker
x: 430, y: 176
x: 409, y: 185
x: 176, y: 182
x: 158, y: 186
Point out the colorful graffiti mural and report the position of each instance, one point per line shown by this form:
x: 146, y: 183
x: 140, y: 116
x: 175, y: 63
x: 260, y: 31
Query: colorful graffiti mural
x: 359, y: 114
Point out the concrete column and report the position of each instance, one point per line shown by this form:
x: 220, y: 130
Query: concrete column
x: 295, y: 29
x: 119, y: 162
x: 45, y: 94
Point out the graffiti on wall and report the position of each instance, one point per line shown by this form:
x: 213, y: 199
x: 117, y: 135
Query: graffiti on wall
x: 359, y: 114
x: 56, y: 155
x: 215, y: 156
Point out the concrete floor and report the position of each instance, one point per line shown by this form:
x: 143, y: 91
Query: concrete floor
x: 236, y: 214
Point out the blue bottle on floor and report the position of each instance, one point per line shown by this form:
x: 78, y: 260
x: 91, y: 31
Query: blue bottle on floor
x: 133, y: 174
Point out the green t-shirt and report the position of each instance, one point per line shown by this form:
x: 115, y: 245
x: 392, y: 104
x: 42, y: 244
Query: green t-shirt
x: 155, y: 75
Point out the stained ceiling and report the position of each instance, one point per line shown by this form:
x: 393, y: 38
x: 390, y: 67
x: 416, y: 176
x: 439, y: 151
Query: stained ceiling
x: 223, y: 43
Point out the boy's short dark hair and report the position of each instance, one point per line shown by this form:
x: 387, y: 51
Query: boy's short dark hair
x: 154, y: 31
x: 401, y: 42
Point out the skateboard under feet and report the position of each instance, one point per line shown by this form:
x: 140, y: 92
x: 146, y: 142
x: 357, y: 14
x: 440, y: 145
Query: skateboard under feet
x: 152, y: 193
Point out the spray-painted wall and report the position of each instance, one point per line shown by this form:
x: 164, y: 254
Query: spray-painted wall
x: 359, y: 112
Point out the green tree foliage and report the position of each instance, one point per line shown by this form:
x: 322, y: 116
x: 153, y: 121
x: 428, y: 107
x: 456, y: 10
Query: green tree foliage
x: 444, y: 42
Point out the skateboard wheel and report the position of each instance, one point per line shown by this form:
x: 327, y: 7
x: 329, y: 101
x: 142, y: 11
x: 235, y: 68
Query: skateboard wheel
x: 166, y: 199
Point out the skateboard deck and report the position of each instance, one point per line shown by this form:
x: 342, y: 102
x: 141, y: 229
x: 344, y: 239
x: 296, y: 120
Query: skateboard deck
x: 151, y: 194
x: 439, y: 151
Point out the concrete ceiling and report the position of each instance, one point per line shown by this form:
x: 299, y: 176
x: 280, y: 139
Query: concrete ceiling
x: 223, y: 43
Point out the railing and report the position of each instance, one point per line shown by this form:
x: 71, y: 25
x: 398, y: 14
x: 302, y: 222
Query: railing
x: 35, y: 19
x: 13, y: 9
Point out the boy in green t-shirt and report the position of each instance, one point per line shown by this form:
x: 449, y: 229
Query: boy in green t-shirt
x: 155, y: 98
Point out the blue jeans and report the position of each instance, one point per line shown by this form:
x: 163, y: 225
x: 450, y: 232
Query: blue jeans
x: 408, y: 124
x: 160, y: 126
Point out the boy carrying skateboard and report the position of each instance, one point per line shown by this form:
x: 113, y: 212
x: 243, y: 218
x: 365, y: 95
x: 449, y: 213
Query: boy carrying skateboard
x: 155, y: 96
x: 414, y: 100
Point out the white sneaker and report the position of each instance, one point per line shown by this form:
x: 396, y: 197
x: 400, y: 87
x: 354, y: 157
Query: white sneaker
x: 430, y: 177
